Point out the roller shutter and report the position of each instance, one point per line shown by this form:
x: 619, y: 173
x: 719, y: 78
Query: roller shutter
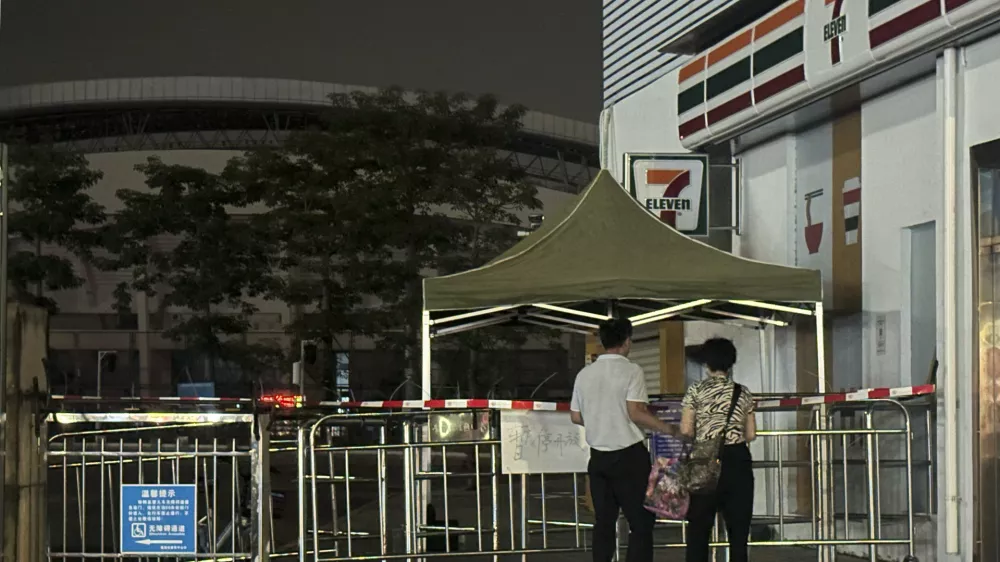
x: 646, y: 353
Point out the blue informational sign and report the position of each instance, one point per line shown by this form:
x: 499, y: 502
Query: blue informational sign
x: 159, y: 519
x: 664, y: 446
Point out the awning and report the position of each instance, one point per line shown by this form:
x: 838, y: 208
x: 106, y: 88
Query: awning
x: 606, y: 246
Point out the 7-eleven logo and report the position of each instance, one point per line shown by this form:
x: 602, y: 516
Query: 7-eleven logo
x: 673, y: 183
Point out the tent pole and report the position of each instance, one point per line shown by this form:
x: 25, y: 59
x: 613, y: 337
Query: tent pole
x: 425, y: 355
x: 424, y: 490
x: 765, y: 387
x: 822, y: 454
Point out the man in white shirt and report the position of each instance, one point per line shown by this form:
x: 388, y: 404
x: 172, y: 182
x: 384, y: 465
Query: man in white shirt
x: 610, y: 402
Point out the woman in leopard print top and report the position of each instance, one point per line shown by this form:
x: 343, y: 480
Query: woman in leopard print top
x: 705, y: 406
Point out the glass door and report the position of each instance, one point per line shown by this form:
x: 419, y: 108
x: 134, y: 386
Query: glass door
x: 986, y: 174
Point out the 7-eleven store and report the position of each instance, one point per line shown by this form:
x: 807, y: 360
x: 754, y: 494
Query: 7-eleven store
x: 861, y: 138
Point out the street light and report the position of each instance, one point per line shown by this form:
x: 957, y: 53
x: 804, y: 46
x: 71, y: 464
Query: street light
x: 108, y: 359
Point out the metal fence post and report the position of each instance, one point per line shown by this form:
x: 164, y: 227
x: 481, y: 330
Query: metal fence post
x: 300, y: 451
x: 260, y: 460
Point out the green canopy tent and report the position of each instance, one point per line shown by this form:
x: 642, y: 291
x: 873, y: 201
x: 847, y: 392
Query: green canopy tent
x: 603, y: 255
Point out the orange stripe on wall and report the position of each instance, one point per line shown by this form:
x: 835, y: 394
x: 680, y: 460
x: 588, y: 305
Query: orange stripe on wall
x: 729, y: 47
x: 691, y: 69
x: 780, y: 18
x: 662, y: 177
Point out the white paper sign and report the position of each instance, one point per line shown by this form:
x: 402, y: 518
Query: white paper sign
x: 537, y: 442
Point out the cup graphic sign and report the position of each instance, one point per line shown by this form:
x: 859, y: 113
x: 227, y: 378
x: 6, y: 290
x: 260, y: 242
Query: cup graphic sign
x: 813, y: 231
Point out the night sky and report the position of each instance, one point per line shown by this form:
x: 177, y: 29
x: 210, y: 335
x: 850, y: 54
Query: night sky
x: 545, y: 54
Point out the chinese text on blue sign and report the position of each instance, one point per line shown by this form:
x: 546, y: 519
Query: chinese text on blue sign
x: 158, y: 519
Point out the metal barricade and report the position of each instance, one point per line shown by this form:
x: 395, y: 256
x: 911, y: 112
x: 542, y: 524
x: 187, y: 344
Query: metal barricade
x: 396, y: 485
x: 386, y: 486
x: 889, y: 458
x: 92, y: 457
x: 424, y: 484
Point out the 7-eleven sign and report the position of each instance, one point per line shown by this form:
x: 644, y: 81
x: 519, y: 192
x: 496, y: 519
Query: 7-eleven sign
x: 674, y: 187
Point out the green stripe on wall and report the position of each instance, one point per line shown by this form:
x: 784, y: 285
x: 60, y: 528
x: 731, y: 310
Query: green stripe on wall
x: 876, y: 6
x: 732, y: 76
x: 778, y: 52
x: 690, y: 98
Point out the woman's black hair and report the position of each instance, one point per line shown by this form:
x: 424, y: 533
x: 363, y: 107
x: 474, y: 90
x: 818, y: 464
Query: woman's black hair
x: 718, y: 354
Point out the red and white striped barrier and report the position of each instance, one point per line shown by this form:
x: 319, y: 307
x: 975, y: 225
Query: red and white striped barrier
x: 294, y: 401
x: 111, y: 400
x: 472, y: 403
x: 854, y: 396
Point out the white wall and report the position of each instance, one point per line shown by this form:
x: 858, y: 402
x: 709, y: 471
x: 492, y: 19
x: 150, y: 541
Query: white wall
x: 767, y: 172
x: 901, y: 171
x: 646, y: 121
x: 769, y: 231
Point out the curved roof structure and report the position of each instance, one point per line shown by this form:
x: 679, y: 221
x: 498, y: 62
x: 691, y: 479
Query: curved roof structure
x: 191, y: 91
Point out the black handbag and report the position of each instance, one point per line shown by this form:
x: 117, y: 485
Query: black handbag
x: 701, y: 462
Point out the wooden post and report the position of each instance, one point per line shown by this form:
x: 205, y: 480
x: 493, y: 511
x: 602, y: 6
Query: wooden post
x: 25, y: 526
x: 672, y: 360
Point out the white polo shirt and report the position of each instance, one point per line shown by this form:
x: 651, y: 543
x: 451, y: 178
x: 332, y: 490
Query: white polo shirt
x: 599, y: 394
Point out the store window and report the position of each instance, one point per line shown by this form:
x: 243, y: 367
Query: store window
x: 986, y: 175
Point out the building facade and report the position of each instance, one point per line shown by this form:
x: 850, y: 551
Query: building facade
x: 864, y: 134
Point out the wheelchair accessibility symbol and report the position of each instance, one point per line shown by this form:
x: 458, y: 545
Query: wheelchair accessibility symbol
x: 138, y: 530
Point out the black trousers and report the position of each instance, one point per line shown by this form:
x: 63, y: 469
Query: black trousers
x: 618, y: 481
x: 734, y: 498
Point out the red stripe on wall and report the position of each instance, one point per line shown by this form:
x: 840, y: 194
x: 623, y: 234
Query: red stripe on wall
x: 852, y: 196
x: 954, y: 4
x: 691, y: 127
x: 731, y: 107
x: 762, y: 92
x: 908, y: 21
x: 779, y: 83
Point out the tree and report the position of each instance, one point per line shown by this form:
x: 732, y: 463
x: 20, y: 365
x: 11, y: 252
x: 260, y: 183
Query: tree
x: 390, y: 187
x: 184, y: 238
x: 329, y: 232
x: 51, y: 207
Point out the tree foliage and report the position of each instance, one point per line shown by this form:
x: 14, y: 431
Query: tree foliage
x: 391, y: 187
x: 185, y: 240
x: 53, y: 218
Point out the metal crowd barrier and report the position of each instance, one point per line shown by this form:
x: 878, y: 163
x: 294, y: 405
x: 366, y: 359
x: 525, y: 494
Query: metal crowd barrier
x: 296, y: 485
x: 395, y: 485
x: 91, y: 456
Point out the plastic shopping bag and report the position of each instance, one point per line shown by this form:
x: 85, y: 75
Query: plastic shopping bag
x: 665, y: 496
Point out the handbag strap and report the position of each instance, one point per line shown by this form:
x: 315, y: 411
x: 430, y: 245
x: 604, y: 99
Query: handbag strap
x: 737, y: 390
